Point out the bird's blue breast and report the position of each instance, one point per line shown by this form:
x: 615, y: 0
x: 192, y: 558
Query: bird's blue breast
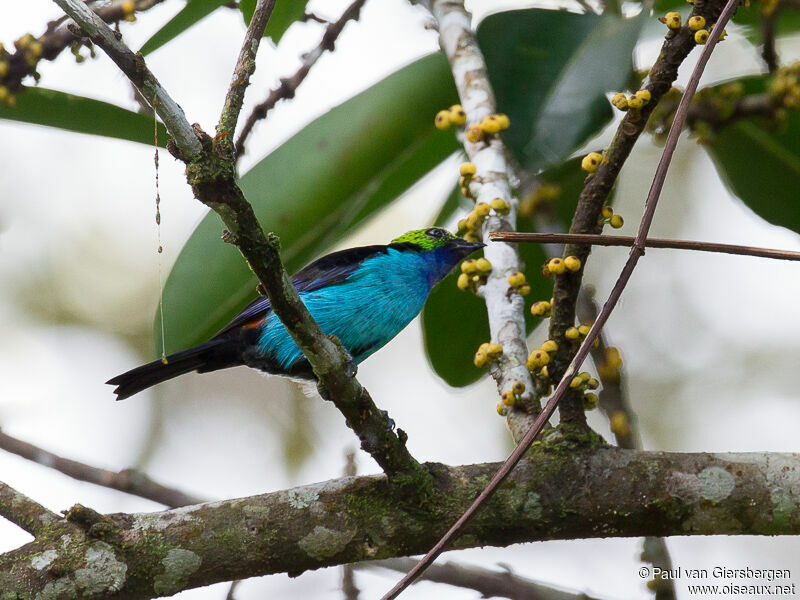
x: 364, y: 311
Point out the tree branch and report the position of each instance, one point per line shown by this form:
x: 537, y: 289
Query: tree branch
x: 560, y: 493
x: 210, y: 171
x: 288, y: 86
x: 21, y: 510
x: 129, y: 481
x: 504, y: 305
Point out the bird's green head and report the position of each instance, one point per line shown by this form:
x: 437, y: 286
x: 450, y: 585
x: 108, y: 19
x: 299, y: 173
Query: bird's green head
x: 430, y: 239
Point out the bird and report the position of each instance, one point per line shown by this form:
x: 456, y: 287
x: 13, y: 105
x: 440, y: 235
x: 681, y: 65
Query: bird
x: 364, y: 296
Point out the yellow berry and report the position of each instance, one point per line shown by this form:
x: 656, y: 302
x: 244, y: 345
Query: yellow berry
x: 644, y: 95
x: 544, y: 372
x: 35, y: 49
x: 672, y: 20
x: 619, y: 424
x: 475, y: 134
x: 697, y: 22
x: 550, y: 346
x: 607, y: 212
x: 23, y: 42
x: 516, y: 279
x: 573, y: 263
x: 468, y: 169
x: 490, y: 124
x: 462, y: 225
x: 537, y: 359
x: 442, y: 120
x: 500, y: 206
x: 4, y: 93
x: 474, y: 221
x: 3, y: 68
x: 457, y: 115
x: 584, y: 376
x: 480, y: 358
x: 494, y: 351
x: 540, y: 309
x: 469, y: 266
x: 484, y: 266
x: 524, y: 289
x: 620, y: 100
x: 463, y: 282
x: 518, y: 388
x: 584, y: 330
x: 503, y: 121
x: 592, y: 383
x: 701, y: 36
x: 572, y: 333
x: 556, y: 266
x: 591, y: 161
x: 576, y: 382
x: 502, y: 409
x: 613, y: 358
x: 635, y: 102
x: 482, y: 209
x: 128, y: 7
x: 508, y: 398
x: 589, y: 401
x: 616, y: 221
x: 722, y: 35
x: 471, y: 237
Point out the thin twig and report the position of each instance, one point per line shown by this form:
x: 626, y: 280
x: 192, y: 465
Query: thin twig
x: 628, y: 241
x: 505, y: 307
x: 21, y: 510
x: 129, y: 481
x: 769, y: 21
x: 489, y: 582
x: 245, y: 66
x: 637, y: 251
x: 288, y: 86
x: 211, y: 173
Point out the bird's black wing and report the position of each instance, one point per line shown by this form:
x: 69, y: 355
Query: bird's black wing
x: 326, y: 270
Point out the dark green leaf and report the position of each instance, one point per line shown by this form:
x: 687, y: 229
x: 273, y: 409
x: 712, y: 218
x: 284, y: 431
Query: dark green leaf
x: 83, y: 115
x: 194, y: 11
x: 283, y: 15
x: 760, y: 162
x: 750, y: 17
x: 550, y: 71
x: 313, y: 189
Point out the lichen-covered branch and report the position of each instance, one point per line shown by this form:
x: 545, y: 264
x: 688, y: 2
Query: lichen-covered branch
x: 504, y: 306
x: 597, y: 188
x: 289, y: 85
x: 560, y: 493
x: 210, y: 171
x: 21, y: 510
x: 129, y: 481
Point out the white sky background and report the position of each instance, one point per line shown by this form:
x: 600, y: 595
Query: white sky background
x: 715, y: 338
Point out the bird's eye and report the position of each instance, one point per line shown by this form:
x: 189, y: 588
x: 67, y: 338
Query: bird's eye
x: 435, y: 232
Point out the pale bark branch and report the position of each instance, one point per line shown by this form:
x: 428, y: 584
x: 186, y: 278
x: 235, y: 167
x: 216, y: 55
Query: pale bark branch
x: 21, y: 510
x: 560, y: 492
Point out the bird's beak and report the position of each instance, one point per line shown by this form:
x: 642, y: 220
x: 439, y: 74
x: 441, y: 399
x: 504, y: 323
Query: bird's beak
x: 465, y: 248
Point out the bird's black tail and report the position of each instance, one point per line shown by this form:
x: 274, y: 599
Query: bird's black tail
x: 214, y: 354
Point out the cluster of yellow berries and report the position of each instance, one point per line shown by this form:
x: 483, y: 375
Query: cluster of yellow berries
x: 470, y: 226
x: 620, y: 425
x: 591, y: 161
x: 474, y: 272
x: 584, y: 381
x: 454, y: 115
x: 696, y: 23
x: 786, y: 85
x: 31, y: 49
x: 487, y: 352
x: 578, y: 333
x: 509, y: 398
x: 519, y: 283
x: 636, y: 101
x: 607, y: 216
x: 542, y: 308
x: 539, y: 359
x: 490, y: 125
x: 546, y: 192
x: 6, y: 97
x: 558, y: 266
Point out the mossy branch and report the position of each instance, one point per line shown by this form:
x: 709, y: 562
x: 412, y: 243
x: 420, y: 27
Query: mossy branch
x: 559, y: 492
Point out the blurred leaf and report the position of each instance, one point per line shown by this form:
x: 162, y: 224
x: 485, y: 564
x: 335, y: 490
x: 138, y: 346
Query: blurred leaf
x: 312, y: 191
x: 750, y: 18
x: 194, y: 11
x: 52, y: 108
x: 283, y: 15
x: 550, y: 71
x: 454, y: 323
x: 760, y: 162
